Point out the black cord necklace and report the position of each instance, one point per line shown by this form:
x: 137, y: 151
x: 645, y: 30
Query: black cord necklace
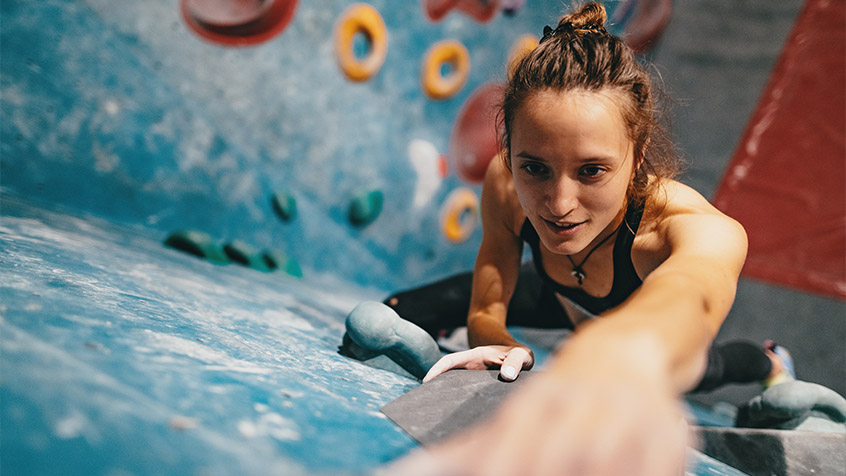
x: 578, y: 272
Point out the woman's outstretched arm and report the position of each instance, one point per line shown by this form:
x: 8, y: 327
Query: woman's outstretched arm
x: 608, y: 403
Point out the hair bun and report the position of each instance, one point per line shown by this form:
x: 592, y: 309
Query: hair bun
x: 590, y: 18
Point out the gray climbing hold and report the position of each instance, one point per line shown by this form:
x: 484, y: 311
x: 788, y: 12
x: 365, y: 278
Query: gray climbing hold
x: 379, y: 329
x: 198, y: 244
x: 275, y: 259
x: 244, y: 254
x: 366, y: 207
x: 284, y: 205
x: 795, y: 405
x: 775, y: 452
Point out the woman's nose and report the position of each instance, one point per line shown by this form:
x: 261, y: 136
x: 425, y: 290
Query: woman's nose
x: 562, y: 197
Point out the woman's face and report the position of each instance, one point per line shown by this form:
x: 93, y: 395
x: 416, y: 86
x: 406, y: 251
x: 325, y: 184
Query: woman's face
x: 572, y: 162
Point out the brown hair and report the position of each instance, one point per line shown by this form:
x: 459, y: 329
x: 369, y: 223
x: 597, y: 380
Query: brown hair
x: 580, y: 55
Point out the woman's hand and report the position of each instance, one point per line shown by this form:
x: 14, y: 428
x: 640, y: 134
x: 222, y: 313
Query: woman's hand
x: 596, y: 410
x: 510, y: 359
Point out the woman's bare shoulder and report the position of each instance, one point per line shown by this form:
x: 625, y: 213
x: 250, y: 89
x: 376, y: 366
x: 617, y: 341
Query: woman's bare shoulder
x: 672, y: 199
x: 679, y: 210
x: 677, y: 216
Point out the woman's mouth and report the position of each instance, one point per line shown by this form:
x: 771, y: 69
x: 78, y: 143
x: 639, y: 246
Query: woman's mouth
x: 563, y: 229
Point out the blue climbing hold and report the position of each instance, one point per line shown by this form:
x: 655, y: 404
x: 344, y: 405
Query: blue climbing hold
x: 366, y: 207
x: 198, y: 244
x: 380, y: 330
x: 275, y: 259
x: 244, y: 254
x: 795, y: 405
x: 284, y: 205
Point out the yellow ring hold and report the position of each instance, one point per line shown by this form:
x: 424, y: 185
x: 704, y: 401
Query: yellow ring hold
x: 361, y: 18
x: 521, y: 47
x: 460, y: 215
x: 435, y: 84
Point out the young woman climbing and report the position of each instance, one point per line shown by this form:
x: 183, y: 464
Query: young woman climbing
x: 642, y: 267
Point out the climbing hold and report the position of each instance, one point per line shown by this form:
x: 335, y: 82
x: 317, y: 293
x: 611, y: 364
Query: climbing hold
x: 429, y: 165
x: 482, y: 11
x: 284, y: 205
x: 473, y: 141
x: 511, y: 7
x: 198, y: 244
x: 361, y: 19
x: 244, y: 254
x: 240, y: 23
x: 365, y: 207
x: 521, y: 47
x: 641, y: 23
x: 795, y: 405
x: 275, y: 259
x: 460, y: 215
x: 448, y: 54
x: 380, y: 330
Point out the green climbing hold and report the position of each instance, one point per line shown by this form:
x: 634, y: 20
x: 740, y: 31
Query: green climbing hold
x: 284, y: 205
x: 198, y: 244
x: 275, y: 259
x: 246, y: 255
x: 366, y: 207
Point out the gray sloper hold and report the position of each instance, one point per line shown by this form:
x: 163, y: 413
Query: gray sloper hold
x: 451, y: 402
x: 776, y: 452
x: 459, y: 399
x: 376, y: 327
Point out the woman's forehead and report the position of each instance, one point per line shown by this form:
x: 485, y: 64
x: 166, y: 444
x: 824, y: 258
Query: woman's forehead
x: 606, y: 100
x: 550, y: 118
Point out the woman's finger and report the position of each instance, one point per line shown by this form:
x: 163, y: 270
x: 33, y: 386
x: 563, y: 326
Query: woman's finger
x: 446, y: 362
x: 516, y: 360
x: 476, y: 358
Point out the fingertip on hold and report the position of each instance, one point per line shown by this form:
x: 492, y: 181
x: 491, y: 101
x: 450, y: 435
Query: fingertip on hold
x: 508, y: 373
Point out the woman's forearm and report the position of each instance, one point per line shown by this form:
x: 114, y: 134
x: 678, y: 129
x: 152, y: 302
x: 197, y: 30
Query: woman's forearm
x: 483, y: 328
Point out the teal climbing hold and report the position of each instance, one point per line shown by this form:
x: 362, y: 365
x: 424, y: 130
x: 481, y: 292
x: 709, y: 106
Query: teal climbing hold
x: 366, y: 207
x: 198, y: 244
x: 795, y: 405
x: 377, y: 328
x: 244, y: 254
x: 275, y: 259
x: 284, y: 205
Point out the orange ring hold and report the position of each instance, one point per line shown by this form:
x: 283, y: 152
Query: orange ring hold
x: 435, y: 84
x: 462, y: 202
x: 521, y: 47
x: 361, y: 18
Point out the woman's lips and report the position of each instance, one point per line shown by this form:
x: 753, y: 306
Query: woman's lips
x: 563, y: 229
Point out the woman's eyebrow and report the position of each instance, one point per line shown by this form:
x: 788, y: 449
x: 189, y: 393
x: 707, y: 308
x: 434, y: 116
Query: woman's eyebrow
x: 602, y: 158
x: 526, y: 155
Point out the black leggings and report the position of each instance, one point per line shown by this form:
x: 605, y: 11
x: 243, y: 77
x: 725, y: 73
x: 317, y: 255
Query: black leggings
x: 440, y: 307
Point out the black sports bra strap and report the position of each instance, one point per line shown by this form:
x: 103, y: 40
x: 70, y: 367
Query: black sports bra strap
x: 626, y: 280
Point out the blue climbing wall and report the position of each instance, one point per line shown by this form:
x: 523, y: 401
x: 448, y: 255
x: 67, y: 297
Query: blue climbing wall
x: 118, y: 109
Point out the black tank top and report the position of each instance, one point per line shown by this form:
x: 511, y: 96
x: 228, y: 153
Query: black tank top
x: 626, y: 280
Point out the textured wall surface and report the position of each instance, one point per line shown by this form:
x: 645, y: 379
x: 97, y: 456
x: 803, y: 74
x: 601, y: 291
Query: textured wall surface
x: 118, y: 109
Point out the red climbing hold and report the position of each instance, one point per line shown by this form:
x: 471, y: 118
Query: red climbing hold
x: 238, y: 22
x: 480, y: 10
x: 474, y: 139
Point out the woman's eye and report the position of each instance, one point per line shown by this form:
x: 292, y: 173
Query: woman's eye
x: 534, y: 169
x: 593, y: 171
